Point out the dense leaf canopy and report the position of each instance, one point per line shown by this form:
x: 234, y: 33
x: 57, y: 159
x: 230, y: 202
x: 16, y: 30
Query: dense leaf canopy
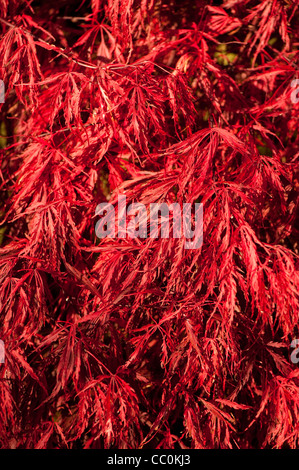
x: 142, y: 343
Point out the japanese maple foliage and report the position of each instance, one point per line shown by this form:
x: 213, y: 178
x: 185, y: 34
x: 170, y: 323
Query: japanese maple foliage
x: 142, y: 343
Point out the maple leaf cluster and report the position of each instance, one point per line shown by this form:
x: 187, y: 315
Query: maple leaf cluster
x: 140, y: 343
